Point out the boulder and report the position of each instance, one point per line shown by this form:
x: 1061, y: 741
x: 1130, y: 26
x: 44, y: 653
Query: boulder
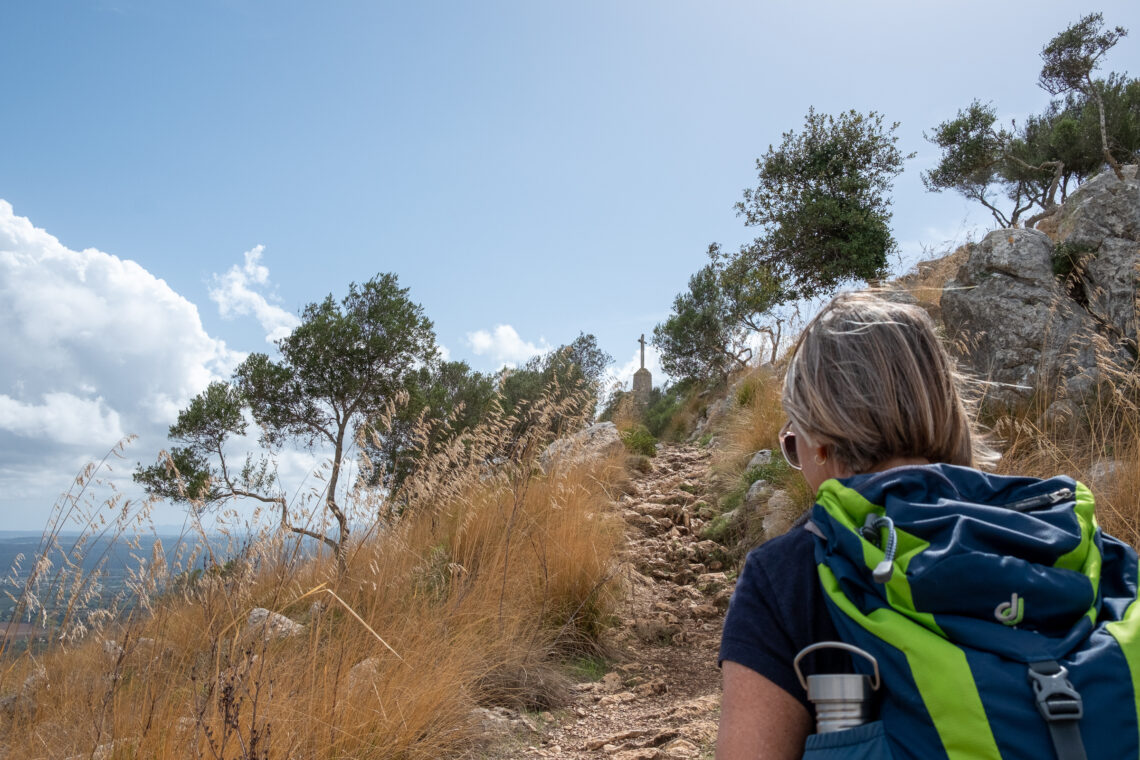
x: 1012, y: 321
x: 1026, y: 314
x: 761, y: 458
x: 779, y: 514
x: 757, y: 493
x: 272, y: 625
x: 1101, y: 209
x: 594, y: 442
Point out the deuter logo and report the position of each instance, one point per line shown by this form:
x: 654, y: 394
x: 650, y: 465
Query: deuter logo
x: 1011, y: 612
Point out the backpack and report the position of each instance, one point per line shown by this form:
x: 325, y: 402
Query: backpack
x: 1003, y: 620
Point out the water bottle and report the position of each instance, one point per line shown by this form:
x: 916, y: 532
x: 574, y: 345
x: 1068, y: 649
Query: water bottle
x: 842, y: 700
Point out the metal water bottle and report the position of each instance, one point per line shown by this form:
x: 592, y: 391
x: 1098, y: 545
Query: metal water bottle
x: 842, y: 700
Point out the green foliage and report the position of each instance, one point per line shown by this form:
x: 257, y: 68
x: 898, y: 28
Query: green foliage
x: 822, y: 201
x: 664, y: 406
x: 639, y: 440
x: 340, y: 366
x: 338, y: 369
x: 1068, y: 257
x: 746, y: 392
x: 444, y: 400
x: 588, y: 667
x: 718, y: 529
x: 194, y: 473
x: 777, y: 472
x: 1071, y: 57
x: 575, y: 367
x: 1029, y: 164
x: 701, y: 339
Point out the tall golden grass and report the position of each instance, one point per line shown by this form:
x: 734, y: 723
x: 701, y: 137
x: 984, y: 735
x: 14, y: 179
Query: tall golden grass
x: 469, y: 594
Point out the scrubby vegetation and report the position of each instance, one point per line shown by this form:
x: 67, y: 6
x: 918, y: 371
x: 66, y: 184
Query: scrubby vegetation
x: 480, y: 590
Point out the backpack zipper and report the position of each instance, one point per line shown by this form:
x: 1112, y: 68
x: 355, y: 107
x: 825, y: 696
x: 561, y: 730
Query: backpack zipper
x: 1041, y: 500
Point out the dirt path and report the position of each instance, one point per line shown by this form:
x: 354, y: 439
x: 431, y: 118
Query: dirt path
x: 662, y: 697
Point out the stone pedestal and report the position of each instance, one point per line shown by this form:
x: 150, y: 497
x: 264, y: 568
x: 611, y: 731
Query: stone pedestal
x: 642, y: 385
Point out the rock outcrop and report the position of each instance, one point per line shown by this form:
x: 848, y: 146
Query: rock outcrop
x: 1028, y: 313
x: 598, y: 440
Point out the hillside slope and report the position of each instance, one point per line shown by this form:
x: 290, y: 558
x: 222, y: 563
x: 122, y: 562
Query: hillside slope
x: 661, y: 697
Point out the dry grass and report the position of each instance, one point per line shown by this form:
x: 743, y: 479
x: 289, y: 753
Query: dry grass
x: 928, y: 280
x: 470, y: 597
x: 1100, y: 448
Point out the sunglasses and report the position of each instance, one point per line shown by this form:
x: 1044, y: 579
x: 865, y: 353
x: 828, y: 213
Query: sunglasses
x: 788, y: 446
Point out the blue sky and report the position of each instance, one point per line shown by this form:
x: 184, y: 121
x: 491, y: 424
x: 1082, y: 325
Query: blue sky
x: 529, y: 170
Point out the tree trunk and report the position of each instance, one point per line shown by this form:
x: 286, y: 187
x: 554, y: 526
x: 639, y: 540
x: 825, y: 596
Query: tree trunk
x: 776, y: 341
x: 1104, y: 132
x: 332, y: 506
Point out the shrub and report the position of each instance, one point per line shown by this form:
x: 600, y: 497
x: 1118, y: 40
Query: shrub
x: 639, y: 440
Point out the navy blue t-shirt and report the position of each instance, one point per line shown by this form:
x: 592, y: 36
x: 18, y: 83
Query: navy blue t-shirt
x: 777, y: 609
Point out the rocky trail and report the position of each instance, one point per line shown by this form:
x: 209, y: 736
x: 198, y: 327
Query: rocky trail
x: 661, y: 697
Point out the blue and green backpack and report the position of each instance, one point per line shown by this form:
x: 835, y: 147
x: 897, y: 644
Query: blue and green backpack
x: 1003, y: 620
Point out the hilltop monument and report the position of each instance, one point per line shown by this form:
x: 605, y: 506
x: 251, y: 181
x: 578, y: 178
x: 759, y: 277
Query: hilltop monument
x: 642, y: 383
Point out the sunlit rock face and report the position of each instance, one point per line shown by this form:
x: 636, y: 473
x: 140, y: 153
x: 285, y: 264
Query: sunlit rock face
x: 1053, y: 317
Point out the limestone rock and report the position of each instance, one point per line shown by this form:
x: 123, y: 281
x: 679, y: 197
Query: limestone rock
x: 595, y: 744
x: 365, y: 672
x: 1027, y: 315
x: 761, y: 458
x: 705, y: 549
x: 1102, y: 208
x: 272, y: 625
x: 595, y: 441
x: 779, y: 514
x: 1105, y: 470
x: 611, y: 683
x: 498, y: 721
x: 1010, y: 318
x: 757, y: 493
x: 681, y: 749
x: 645, y: 753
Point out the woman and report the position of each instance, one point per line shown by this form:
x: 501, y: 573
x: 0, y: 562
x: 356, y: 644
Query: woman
x: 869, y: 389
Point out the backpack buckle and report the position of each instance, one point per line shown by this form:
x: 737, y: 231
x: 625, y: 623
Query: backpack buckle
x: 1056, y: 698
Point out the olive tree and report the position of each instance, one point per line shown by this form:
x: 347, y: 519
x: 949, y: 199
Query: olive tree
x: 823, y: 203
x: 1070, y: 59
x: 337, y: 370
x: 1096, y: 122
x: 701, y: 338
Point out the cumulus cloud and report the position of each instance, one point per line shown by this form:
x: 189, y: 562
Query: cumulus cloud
x: 63, y: 418
x: 236, y: 293
x: 92, y: 347
x: 504, y: 345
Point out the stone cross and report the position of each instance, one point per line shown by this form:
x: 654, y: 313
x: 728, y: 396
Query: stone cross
x: 642, y: 342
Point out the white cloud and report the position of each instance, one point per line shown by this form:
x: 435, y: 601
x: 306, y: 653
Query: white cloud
x: 63, y: 418
x: 235, y: 295
x: 504, y: 345
x: 92, y: 347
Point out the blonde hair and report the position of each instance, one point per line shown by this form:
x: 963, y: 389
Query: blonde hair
x: 870, y: 378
